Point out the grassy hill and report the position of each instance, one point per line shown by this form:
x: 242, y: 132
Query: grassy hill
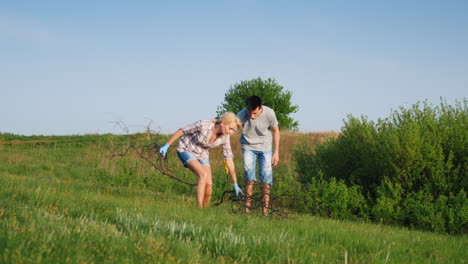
x: 68, y: 200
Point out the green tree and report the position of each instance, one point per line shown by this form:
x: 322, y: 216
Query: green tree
x: 272, y: 95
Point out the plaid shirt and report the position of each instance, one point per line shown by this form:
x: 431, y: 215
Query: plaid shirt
x: 196, y: 140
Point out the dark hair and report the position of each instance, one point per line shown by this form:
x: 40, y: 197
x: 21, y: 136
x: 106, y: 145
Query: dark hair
x: 252, y: 102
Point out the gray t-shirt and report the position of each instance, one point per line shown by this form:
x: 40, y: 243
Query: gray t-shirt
x: 256, y: 134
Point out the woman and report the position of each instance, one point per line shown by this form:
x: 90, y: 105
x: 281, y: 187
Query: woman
x: 195, y: 140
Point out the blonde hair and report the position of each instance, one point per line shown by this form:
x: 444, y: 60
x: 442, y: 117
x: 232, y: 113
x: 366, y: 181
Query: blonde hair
x: 230, y: 117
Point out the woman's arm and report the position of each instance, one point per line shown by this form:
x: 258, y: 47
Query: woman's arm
x: 175, y: 136
x: 163, y: 149
x: 232, y: 170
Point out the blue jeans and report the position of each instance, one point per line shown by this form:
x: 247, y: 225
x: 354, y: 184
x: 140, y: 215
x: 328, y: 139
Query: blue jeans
x: 264, y: 163
x: 185, y: 157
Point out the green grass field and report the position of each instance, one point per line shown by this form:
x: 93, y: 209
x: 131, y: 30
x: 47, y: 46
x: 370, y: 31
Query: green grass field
x: 65, y: 200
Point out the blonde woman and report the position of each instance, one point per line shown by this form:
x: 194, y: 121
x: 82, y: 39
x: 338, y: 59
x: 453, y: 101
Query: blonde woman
x: 192, y: 149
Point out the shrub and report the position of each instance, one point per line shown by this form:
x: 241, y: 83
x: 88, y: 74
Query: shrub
x: 334, y: 199
x: 387, y: 207
x: 406, y: 167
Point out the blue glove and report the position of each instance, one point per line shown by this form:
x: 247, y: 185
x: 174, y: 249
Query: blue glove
x: 163, y: 149
x: 237, y: 189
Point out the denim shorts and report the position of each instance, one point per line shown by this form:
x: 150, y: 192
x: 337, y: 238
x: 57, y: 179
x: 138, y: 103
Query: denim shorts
x: 264, y: 164
x: 185, y: 157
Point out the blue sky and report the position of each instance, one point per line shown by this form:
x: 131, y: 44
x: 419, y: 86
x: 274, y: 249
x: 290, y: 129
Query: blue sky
x: 78, y: 67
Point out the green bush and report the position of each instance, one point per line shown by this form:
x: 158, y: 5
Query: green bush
x: 387, y: 207
x: 406, y: 167
x: 334, y: 199
x: 457, y: 213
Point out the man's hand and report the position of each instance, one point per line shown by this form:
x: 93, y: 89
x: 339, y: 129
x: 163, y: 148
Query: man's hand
x: 275, y: 159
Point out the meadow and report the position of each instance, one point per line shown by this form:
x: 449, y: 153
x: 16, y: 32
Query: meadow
x: 68, y: 199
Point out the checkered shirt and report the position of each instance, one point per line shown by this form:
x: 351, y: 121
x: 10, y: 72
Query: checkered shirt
x: 196, y: 140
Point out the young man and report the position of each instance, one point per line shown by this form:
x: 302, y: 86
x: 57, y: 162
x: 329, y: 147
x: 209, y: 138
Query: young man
x: 260, y: 129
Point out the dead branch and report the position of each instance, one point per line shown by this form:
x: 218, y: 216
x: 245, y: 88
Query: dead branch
x: 146, y: 147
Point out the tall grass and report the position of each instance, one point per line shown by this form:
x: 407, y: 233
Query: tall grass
x: 63, y: 202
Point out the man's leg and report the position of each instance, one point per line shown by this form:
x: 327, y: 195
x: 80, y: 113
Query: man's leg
x: 249, y: 159
x: 266, y: 178
x: 248, y: 198
x: 266, y: 198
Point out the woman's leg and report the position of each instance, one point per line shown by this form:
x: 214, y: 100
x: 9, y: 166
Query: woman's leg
x: 208, y: 186
x: 203, y: 176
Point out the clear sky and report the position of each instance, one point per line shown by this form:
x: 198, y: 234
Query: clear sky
x: 78, y: 67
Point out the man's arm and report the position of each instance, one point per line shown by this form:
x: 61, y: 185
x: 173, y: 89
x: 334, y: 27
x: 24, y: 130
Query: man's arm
x: 276, y: 141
